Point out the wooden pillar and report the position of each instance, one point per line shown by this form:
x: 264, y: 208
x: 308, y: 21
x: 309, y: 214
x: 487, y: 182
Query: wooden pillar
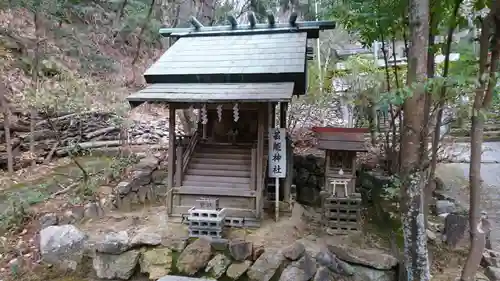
x: 171, y: 157
x: 178, y: 171
x: 253, y: 169
x: 260, y: 162
x: 328, y: 155
x: 272, y: 115
x: 283, y: 112
x: 287, y: 182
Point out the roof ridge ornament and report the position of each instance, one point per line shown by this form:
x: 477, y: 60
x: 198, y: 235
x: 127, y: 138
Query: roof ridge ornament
x: 312, y: 28
x: 252, y: 19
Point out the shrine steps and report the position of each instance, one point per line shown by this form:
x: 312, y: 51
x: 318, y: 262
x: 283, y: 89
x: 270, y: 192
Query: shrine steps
x: 219, y: 166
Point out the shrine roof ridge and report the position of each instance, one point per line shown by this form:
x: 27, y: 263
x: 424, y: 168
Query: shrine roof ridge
x: 312, y: 28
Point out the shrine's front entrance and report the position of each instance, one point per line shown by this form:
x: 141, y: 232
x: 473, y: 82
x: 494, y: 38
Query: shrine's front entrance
x: 222, y: 127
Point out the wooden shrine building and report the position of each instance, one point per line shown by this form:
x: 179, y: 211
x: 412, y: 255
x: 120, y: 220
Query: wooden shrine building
x: 233, y: 77
x: 341, y: 205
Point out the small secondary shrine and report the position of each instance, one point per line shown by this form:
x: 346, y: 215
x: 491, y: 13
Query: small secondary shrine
x: 341, y: 204
x: 235, y: 78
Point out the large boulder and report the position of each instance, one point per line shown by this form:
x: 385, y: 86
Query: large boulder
x: 147, y: 237
x: 111, y: 266
x: 156, y: 262
x: 493, y: 273
x: 237, y: 269
x: 266, y: 266
x: 300, y: 270
x: 325, y: 259
x: 294, y: 251
x: 217, y: 266
x: 195, y: 257
x: 363, y: 273
x: 373, y: 258
x: 113, y: 243
x: 240, y: 249
x: 62, y: 245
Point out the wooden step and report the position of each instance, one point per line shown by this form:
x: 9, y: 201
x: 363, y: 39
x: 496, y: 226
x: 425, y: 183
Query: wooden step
x: 218, y: 161
x: 222, y: 167
x: 218, y: 173
x: 229, y: 150
x: 215, y: 184
x: 223, y: 156
x: 215, y: 191
x: 218, y: 179
x: 219, y: 145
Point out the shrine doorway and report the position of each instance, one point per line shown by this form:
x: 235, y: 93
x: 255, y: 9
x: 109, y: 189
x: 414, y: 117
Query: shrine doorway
x: 227, y: 130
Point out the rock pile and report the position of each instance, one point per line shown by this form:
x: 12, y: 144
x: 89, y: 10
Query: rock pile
x: 144, y: 184
x: 150, y: 131
x: 309, y: 176
x: 491, y: 261
x: 117, y: 255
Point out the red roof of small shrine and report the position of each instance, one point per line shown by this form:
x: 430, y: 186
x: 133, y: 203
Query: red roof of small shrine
x: 337, y: 138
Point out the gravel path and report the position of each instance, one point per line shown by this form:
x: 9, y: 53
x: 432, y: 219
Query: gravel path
x: 456, y: 176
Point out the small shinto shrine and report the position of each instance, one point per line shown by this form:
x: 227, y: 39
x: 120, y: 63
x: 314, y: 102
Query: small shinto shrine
x: 236, y: 79
x: 341, y: 204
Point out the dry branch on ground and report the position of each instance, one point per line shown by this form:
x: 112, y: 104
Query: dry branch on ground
x: 71, y: 131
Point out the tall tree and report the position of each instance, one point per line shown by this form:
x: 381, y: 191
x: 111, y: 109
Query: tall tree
x: 413, y: 175
x: 482, y: 102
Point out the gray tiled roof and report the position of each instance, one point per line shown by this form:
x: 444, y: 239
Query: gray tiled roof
x: 247, y: 54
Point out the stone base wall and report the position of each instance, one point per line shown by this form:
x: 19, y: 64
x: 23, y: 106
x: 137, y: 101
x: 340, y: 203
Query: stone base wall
x: 121, y: 255
x: 145, y: 184
x: 309, y: 178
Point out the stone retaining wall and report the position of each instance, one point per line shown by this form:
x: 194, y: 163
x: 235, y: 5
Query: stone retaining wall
x: 121, y: 255
x: 145, y: 184
x: 309, y: 178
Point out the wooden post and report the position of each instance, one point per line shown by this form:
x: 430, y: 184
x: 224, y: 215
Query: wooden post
x: 287, y: 185
x: 178, y: 172
x: 283, y: 111
x: 287, y: 182
x: 272, y: 115
x: 260, y: 159
x: 353, y: 171
x: 328, y: 155
x: 171, y: 157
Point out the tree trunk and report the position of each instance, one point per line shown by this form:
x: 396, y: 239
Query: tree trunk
x: 482, y: 102
x: 413, y: 175
x: 35, y: 78
x: 442, y: 99
x: 118, y: 17
x: 442, y: 96
x: 140, y: 39
x: 6, y: 127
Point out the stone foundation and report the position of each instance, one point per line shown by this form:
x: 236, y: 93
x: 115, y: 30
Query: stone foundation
x: 309, y: 178
x: 145, y: 184
x: 149, y: 251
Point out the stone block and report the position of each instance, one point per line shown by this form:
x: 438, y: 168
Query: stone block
x: 207, y: 203
x: 123, y: 188
x: 197, y: 233
x: 240, y: 249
